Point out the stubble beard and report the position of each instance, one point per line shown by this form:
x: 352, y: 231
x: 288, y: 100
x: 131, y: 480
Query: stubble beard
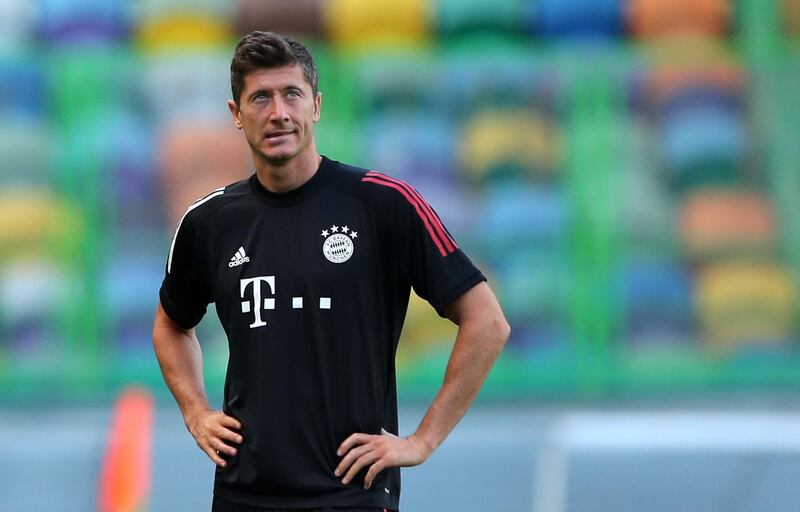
x: 275, y: 160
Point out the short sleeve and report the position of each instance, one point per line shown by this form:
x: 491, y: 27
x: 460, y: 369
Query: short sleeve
x: 439, y: 270
x: 184, y: 294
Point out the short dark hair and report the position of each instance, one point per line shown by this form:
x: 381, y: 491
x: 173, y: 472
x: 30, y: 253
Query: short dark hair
x: 269, y: 50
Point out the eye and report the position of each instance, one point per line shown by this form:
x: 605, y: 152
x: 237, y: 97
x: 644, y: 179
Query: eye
x: 260, y: 97
x: 293, y: 93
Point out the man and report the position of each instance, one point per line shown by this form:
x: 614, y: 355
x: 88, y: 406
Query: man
x: 310, y: 263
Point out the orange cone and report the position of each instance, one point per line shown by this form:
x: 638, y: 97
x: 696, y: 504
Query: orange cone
x: 126, y: 470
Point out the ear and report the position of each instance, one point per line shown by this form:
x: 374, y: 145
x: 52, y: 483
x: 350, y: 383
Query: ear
x: 237, y: 119
x: 317, y: 107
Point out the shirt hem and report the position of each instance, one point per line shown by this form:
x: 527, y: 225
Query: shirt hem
x: 457, y: 291
x: 173, y: 312
x: 320, y: 501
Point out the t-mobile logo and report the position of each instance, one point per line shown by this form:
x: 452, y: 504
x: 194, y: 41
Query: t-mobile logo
x: 257, y: 305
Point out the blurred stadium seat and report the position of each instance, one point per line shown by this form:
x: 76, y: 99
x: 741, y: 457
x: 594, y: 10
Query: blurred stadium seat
x: 650, y: 19
x: 624, y: 170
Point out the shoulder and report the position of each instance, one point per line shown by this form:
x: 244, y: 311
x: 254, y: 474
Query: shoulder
x: 204, y: 207
x: 375, y: 188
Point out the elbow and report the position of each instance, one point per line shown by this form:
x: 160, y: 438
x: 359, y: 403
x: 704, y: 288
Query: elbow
x: 505, y: 330
x: 501, y: 330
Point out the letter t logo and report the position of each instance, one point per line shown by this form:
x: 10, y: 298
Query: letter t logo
x: 256, y: 305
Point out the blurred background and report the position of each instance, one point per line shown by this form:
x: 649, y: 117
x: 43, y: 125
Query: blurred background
x: 626, y: 172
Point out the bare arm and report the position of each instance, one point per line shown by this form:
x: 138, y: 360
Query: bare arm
x: 482, y: 333
x: 181, y: 360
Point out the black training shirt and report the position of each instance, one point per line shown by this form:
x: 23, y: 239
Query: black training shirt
x: 311, y: 288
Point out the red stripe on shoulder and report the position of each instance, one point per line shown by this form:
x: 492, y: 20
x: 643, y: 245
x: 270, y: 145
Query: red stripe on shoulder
x: 429, y: 213
x: 432, y: 216
x: 376, y: 179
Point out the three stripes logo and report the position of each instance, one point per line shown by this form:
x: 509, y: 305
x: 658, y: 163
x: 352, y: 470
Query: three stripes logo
x: 239, y: 258
x: 441, y: 238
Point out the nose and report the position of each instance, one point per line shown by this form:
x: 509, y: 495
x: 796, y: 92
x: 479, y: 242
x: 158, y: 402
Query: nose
x: 278, y: 112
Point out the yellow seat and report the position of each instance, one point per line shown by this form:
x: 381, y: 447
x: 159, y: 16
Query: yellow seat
x: 368, y: 23
x: 424, y: 332
x: 743, y: 302
x: 521, y: 138
x: 35, y: 221
x: 183, y: 31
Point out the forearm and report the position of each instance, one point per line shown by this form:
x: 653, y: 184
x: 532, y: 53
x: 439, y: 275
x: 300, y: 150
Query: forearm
x: 180, y: 357
x: 477, y: 346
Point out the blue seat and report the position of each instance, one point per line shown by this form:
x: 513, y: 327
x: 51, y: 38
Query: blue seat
x: 577, y: 18
x: 451, y: 201
x: 700, y: 96
x: 187, y: 86
x: 516, y: 215
x: 79, y: 21
x: 33, y: 295
x: 703, y: 134
x: 408, y: 144
x: 659, y: 284
x: 23, y: 87
x: 130, y: 295
x: 658, y: 300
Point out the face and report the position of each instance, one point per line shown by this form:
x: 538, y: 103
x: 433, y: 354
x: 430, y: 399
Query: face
x: 277, y: 111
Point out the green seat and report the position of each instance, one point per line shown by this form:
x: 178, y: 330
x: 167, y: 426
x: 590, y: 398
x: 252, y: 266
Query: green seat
x: 454, y: 17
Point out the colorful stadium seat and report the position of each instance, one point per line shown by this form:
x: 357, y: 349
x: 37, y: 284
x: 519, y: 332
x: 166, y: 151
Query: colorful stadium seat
x: 502, y: 144
x: 189, y: 31
x: 716, y: 222
x: 411, y: 145
x: 26, y: 152
x: 515, y: 217
x: 649, y: 211
x: 657, y: 300
x: 187, y: 87
x: 792, y: 17
x: 485, y: 76
x: 658, y: 18
x: 365, y: 23
x: 466, y: 17
x: 23, y: 87
x: 296, y: 17
x: 667, y: 81
x: 747, y: 303
x: 576, y: 18
x: 36, y: 221
x: 424, y: 333
x: 698, y: 97
x: 195, y: 159
x: 127, y: 284
x: 34, y: 293
x: 17, y: 24
x: 696, y: 142
x: 81, y: 21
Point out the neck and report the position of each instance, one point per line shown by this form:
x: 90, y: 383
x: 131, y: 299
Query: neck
x: 281, y: 177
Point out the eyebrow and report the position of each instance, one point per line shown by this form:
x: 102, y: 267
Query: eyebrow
x: 267, y: 91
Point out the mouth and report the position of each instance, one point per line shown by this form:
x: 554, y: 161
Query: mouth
x: 278, y: 135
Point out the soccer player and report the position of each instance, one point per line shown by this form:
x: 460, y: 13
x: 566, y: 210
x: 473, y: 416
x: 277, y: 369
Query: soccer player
x: 310, y: 263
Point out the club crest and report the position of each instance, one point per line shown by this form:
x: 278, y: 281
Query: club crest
x: 339, y: 243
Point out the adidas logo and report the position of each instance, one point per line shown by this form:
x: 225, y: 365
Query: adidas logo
x: 239, y: 258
